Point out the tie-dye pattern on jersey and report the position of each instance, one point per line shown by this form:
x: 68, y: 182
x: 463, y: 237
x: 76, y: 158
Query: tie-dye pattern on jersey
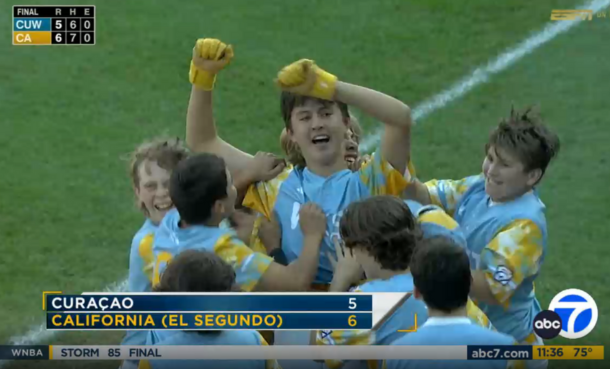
x: 170, y: 240
x: 507, y: 241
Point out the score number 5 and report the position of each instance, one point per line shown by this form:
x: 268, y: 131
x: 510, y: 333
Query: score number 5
x: 352, y: 303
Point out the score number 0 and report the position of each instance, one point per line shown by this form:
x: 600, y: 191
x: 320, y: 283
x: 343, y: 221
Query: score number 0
x: 351, y: 320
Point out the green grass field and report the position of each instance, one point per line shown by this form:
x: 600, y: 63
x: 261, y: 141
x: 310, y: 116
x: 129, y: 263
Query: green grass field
x: 69, y: 114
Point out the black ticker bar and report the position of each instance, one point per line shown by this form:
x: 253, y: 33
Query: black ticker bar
x: 24, y: 352
x: 24, y: 11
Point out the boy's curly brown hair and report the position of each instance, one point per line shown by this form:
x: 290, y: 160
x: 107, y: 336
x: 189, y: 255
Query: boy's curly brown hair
x: 385, y: 227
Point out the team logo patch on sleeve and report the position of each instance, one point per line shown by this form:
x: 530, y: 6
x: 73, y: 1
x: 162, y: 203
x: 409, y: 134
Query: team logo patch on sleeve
x: 503, y: 275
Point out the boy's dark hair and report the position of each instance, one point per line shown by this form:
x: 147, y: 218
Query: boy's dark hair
x: 522, y: 134
x: 441, y: 272
x: 385, y: 227
x: 197, y: 271
x: 196, y: 184
x: 289, y: 101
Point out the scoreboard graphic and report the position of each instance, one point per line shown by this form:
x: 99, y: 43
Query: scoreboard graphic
x: 54, y: 25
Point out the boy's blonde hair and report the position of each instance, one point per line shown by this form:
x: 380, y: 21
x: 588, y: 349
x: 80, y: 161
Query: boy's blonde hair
x: 166, y: 152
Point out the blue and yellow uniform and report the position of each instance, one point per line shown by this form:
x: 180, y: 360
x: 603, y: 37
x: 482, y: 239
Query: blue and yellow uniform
x: 295, y: 187
x: 408, y: 317
x: 141, y: 265
x: 507, y: 241
x: 141, y: 259
x: 222, y: 338
x: 170, y: 240
x: 453, y: 331
x: 434, y: 222
x: 413, y: 312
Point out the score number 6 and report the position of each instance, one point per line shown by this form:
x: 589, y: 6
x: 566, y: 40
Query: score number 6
x: 351, y: 320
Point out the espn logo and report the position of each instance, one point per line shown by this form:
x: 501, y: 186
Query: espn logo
x: 558, y: 15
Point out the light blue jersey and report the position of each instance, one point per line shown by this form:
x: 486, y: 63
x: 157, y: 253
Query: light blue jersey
x: 435, y: 222
x: 406, y: 319
x: 141, y: 265
x: 141, y: 259
x: 507, y: 241
x: 171, y: 239
x: 285, y: 195
x: 449, y: 332
x: 408, y: 316
x: 155, y: 336
x: 222, y: 338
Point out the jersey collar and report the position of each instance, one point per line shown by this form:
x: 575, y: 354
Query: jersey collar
x: 453, y: 320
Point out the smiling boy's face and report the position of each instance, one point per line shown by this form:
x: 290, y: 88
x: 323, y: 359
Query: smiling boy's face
x: 153, y: 190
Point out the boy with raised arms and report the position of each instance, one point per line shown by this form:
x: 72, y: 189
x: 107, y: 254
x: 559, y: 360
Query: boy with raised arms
x: 326, y: 175
x: 315, y: 116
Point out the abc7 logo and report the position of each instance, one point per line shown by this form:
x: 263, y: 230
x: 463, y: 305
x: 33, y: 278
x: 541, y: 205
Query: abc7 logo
x: 547, y: 324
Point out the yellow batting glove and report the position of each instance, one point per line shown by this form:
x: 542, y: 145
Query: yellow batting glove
x: 210, y: 56
x: 304, y: 77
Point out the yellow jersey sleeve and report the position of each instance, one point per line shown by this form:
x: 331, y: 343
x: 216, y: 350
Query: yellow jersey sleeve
x: 144, y: 364
x: 249, y: 266
x: 261, y: 196
x: 513, y: 255
x: 439, y: 217
x: 145, y: 250
x: 380, y: 177
x: 409, y: 174
x: 478, y: 316
x: 162, y: 258
x: 446, y: 193
x: 256, y: 244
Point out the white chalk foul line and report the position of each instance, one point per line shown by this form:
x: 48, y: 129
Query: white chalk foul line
x: 480, y: 75
x: 483, y: 73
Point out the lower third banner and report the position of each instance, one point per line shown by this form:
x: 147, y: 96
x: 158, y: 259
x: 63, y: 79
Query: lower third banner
x: 208, y: 321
